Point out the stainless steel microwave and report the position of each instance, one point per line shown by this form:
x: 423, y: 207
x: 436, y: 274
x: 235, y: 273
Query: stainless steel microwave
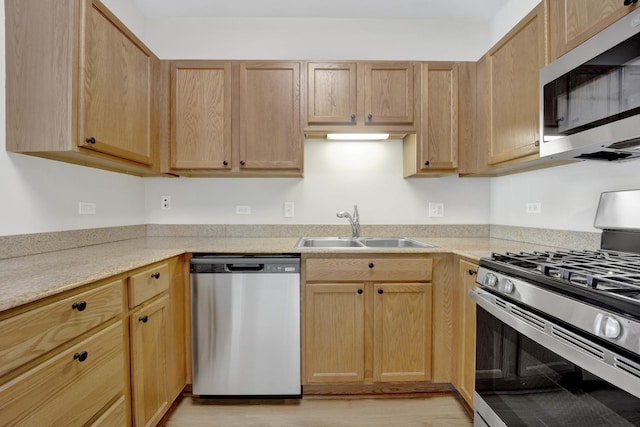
x: 590, y: 97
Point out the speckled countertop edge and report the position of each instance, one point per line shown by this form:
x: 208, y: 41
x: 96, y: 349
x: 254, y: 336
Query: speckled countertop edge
x: 30, y: 278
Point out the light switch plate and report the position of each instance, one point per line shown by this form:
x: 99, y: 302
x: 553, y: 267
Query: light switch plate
x: 436, y: 209
x: 86, y: 208
x: 289, y: 209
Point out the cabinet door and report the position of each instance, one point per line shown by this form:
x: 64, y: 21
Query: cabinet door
x: 467, y: 336
x: 334, y: 333
x: 177, y: 339
x: 269, y: 118
x: 514, y: 65
x: 149, y: 362
x: 115, y: 89
x: 439, y: 118
x: 402, y: 332
x: 388, y: 93
x: 574, y: 21
x: 331, y: 93
x: 201, y: 115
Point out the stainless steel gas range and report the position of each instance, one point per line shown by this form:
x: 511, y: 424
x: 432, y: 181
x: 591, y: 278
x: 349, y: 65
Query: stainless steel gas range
x: 558, y: 333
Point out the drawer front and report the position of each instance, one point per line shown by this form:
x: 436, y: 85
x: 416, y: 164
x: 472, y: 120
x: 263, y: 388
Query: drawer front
x: 33, y: 333
x: 115, y: 416
x: 148, y: 283
x: 396, y: 269
x: 66, y: 390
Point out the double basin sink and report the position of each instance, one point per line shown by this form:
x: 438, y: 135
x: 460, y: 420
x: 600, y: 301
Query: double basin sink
x: 361, y: 242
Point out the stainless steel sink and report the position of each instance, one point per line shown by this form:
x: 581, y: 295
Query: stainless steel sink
x: 328, y: 242
x: 363, y: 242
x: 393, y: 242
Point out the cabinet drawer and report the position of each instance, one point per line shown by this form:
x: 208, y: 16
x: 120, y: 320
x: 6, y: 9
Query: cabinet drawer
x: 148, y: 283
x: 66, y: 390
x: 33, y: 333
x: 369, y: 269
x: 116, y: 415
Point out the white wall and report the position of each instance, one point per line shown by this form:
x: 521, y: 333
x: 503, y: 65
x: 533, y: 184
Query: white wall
x: 569, y: 194
x: 181, y: 38
x: 42, y: 195
x: 337, y: 176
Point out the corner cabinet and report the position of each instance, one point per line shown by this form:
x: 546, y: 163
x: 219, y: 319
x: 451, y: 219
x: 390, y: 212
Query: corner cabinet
x: 360, y: 97
x: 574, y: 21
x: 89, y: 84
x: 367, y: 320
x: 235, y: 118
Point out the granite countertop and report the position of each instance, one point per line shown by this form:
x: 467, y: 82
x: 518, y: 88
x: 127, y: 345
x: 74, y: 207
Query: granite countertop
x: 29, y: 278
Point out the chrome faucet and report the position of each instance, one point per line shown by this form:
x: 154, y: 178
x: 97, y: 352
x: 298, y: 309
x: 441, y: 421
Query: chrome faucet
x: 353, y: 220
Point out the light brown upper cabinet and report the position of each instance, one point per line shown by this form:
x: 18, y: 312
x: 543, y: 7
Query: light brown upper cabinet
x: 269, y: 118
x: 574, y: 21
x: 80, y: 86
x: 360, y: 96
x: 514, y: 65
x: 507, y: 104
x: 201, y: 115
x: 442, y: 118
x: 236, y: 118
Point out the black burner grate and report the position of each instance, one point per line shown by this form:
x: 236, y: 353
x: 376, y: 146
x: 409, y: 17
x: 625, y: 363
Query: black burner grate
x: 601, y: 270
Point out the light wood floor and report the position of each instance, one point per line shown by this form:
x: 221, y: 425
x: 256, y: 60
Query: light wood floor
x: 438, y: 411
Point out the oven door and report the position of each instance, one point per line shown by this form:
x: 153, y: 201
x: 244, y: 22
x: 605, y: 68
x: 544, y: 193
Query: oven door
x: 531, y: 371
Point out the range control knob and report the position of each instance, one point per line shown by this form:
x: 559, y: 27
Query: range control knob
x: 612, y: 327
x: 607, y: 326
x: 508, y: 287
x: 490, y: 280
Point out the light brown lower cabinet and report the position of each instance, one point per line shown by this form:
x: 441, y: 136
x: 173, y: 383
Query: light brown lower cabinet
x: 367, y: 320
x: 149, y: 362
x: 84, y: 358
x: 466, y: 332
x: 70, y: 387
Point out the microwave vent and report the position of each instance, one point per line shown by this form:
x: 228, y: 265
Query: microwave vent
x: 610, y: 156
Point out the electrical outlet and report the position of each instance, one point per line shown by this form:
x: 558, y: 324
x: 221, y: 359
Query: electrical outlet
x: 436, y: 209
x: 165, y: 202
x: 86, y: 208
x: 243, y: 210
x: 534, y: 208
x: 289, y: 209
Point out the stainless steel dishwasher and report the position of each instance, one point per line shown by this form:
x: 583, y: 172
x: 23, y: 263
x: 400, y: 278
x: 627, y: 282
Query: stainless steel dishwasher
x: 245, y: 313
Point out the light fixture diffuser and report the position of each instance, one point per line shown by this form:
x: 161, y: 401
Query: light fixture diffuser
x: 357, y: 136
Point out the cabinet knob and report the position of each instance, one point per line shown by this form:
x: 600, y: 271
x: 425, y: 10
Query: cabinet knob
x: 156, y: 275
x: 380, y: 291
x: 143, y: 319
x: 353, y: 117
x: 370, y: 116
x: 371, y: 265
x: 426, y: 163
x: 81, y: 357
x: 90, y: 140
x: 360, y: 291
x: 80, y: 306
x: 225, y: 163
x: 472, y: 272
x: 241, y: 162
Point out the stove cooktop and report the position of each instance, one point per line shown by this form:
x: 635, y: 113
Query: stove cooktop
x: 608, y: 278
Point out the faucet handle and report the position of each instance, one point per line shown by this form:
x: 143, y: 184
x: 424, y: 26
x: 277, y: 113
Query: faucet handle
x: 356, y: 216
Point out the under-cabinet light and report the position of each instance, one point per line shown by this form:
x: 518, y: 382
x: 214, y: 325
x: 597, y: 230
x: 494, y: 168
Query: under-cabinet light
x: 357, y: 136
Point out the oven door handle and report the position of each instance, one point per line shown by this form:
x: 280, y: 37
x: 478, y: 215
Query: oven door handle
x: 578, y: 350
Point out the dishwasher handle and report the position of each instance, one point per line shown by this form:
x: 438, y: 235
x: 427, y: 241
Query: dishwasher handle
x: 239, y: 267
